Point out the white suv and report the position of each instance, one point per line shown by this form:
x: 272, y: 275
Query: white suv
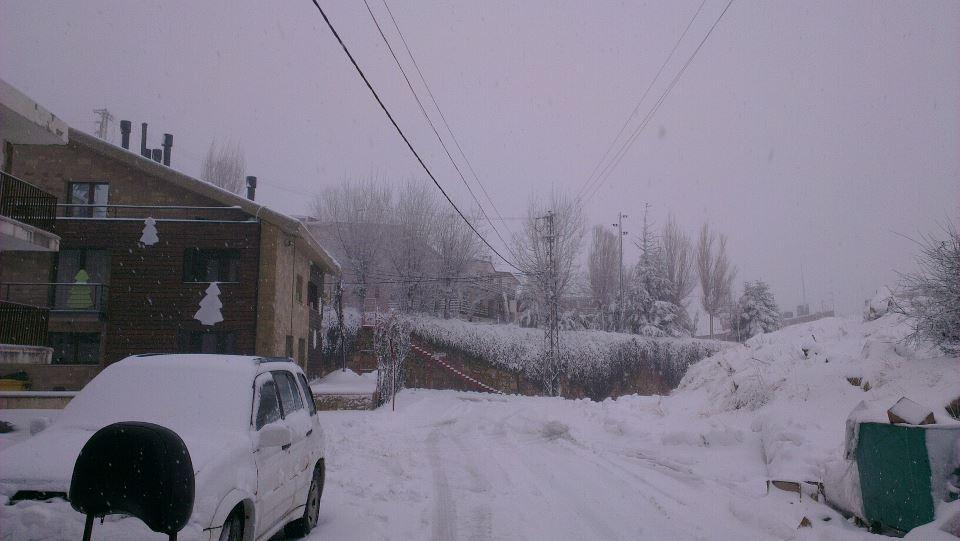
x: 249, y: 423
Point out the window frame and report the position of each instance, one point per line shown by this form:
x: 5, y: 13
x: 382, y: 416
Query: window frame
x: 89, y: 211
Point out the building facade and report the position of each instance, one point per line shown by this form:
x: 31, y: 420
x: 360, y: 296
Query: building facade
x: 143, y: 248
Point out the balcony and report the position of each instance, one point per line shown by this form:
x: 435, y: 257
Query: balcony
x: 77, y: 298
x: 27, y: 216
x: 157, y: 212
x: 22, y: 324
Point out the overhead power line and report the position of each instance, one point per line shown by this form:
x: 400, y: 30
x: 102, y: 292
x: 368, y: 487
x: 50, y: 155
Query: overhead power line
x: 404, y: 137
x: 586, y: 186
x: 605, y: 174
x: 440, y: 111
x: 426, y: 116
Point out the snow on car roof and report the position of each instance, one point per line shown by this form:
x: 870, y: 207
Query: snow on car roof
x: 181, y: 392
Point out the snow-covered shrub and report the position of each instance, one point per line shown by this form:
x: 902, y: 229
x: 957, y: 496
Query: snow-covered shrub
x: 595, y: 360
x: 330, y: 329
x: 391, y: 344
x: 879, y: 305
x: 931, y: 295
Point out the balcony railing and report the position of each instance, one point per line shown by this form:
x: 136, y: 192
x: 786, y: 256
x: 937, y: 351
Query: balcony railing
x: 58, y: 297
x: 157, y: 212
x: 26, y: 203
x: 23, y: 324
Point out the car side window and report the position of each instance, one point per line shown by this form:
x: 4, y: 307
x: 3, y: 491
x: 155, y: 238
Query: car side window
x: 268, y: 410
x: 311, y: 405
x: 289, y: 395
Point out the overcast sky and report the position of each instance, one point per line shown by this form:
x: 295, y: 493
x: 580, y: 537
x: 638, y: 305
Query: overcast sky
x: 814, y: 134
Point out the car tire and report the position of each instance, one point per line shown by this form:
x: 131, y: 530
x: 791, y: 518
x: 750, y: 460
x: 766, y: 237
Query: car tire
x: 311, y: 511
x: 233, y: 527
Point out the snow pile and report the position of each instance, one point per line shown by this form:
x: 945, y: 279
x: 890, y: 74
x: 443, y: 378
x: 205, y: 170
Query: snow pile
x: 880, y: 304
x: 345, y: 382
x: 585, y: 355
x: 799, y: 384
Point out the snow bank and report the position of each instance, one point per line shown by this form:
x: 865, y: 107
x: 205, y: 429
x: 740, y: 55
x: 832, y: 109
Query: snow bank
x: 585, y: 355
x: 799, y: 384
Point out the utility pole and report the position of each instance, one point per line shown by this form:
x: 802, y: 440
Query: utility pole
x: 620, y: 234
x: 105, y: 119
x: 553, y: 310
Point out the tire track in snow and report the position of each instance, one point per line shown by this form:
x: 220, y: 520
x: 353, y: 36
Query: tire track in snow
x: 444, y: 527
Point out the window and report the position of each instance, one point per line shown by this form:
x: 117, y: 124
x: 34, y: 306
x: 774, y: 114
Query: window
x: 210, y: 265
x: 268, y: 411
x: 75, y: 347
x: 311, y: 405
x: 313, y: 296
x: 301, y: 350
x: 222, y: 342
x: 289, y: 393
x: 299, y: 291
x: 88, y: 193
x: 79, y: 266
x: 288, y: 350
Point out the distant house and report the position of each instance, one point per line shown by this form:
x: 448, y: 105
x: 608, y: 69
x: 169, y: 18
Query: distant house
x: 140, y: 246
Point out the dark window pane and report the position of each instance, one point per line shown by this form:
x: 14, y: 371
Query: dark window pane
x: 311, y: 405
x: 289, y: 395
x: 75, y: 348
x: 206, y: 265
x: 269, y: 409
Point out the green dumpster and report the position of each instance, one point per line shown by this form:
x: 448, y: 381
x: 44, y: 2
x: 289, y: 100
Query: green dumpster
x: 903, y: 471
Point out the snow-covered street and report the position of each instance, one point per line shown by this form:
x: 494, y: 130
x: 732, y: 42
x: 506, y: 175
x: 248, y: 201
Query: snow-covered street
x: 693, y: 465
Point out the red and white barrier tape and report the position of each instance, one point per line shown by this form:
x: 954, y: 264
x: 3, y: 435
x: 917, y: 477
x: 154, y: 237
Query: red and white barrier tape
x: 443, y: 363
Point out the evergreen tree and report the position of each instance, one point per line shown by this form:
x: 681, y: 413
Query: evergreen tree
x: 649, y: 309
x: 757, y: 310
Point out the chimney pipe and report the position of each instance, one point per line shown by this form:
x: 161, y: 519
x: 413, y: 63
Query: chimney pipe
x: 125, y: 134
x: 251, y: 187
x: 143, y: 141
x: 157, y: 155
x: 167, y: 146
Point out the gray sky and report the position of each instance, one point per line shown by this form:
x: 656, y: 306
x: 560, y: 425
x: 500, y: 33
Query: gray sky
x: 813, y: 133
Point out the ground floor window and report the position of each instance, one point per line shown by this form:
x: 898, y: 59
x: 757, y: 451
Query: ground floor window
x: 208, y: 342
x: 75, y: 347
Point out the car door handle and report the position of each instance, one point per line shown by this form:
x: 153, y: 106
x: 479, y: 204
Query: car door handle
x: 309, y: 432
x: 285, y: 447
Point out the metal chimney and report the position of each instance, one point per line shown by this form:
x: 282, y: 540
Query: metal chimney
x: 125, y: 134
x: 143, y: 141
x: 157, y: 155
x: 167, y: 146
x: 251, y: 187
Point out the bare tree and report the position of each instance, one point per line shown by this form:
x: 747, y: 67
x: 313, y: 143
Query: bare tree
x: 532, y: 247
x: 716, y: 273
x: 678, y: 261
x: 931, y: 295
x: 358, y: 212
x: 602, y: 272
x: 224, y: 166
x: 456, y: 246
x: 414, y: 224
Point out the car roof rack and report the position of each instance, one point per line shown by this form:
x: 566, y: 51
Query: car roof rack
x: 261, y: 360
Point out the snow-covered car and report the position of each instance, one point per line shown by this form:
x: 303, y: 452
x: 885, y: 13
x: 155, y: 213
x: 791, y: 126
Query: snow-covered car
x: 249, y: 423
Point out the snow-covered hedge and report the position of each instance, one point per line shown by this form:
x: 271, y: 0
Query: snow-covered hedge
x: 589, y: 358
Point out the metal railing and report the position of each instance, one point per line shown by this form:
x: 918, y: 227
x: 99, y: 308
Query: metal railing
x: 58, y: 297
x: 157, y: 212
x: 27, y: 203
x: 22, y: 324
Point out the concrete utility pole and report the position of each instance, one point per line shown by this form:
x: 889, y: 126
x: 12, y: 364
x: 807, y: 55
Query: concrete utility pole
x: 105, y: 119
x: 620, y: 234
